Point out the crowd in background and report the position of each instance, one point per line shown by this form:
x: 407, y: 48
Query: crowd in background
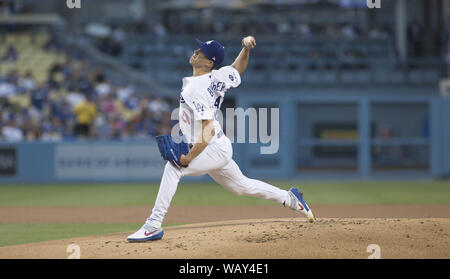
x: 328, y: 42
x: 337, y: 41
x: 298, y: 29
x: 76, y: 101
x: 311, y: 54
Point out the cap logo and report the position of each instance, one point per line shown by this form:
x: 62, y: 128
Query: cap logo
x: 214, y: 58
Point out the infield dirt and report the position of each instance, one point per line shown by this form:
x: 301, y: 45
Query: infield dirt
x: 264, y: 238
x: 402, y: 235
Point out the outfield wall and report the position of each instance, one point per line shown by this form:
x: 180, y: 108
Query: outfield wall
x: 384, y: 134
x: 81, y: 161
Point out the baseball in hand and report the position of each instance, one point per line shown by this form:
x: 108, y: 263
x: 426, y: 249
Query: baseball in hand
x: 249, y: 42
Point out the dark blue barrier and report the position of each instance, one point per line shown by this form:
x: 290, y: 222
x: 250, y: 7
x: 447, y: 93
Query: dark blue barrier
x: 81, y: 161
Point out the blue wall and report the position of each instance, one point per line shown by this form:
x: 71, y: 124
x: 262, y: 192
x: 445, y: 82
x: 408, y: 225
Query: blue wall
x: 85, y: 161
x: 424, y: 124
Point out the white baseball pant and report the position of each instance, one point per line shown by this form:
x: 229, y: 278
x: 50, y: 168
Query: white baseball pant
x: 216, y: 160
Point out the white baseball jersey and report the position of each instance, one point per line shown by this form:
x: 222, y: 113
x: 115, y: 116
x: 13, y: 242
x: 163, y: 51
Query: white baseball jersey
x: 201, y: 98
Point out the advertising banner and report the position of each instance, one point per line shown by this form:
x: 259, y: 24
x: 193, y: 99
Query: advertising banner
x: 8, y: 161
x: 108, y: 161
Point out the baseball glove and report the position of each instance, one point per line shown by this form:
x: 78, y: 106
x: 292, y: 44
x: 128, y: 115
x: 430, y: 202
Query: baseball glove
x: 172, y: 151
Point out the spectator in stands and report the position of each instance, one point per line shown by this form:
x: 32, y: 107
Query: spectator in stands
x: 74, y: 98
x: 11, y: 55
x: 13, y: 77
x: 102, y: 126
x: 34, y: 117
x: 51, y: 44
x: 27, y: 82
x: 10, y: 132
x: 158, y: 107
x: 283, y: 27
x: 103, y: 88
x: 124, y: 92
x: 132, y: 102
x: 108, y: 105
x: 304, y: 30
x: 98, y: 75
x: 39, y: 96
x: 53, y: 130
x: 118, y: 35
x: 85, y: 113
x: 7, y: 89
x: 113, y: 44
x: 117, y: 127
x: 159, y: 30
x: 348, y: 31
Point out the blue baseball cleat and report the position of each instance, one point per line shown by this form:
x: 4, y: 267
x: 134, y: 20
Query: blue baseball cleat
x: 297, y: 203
x: 146, y: 233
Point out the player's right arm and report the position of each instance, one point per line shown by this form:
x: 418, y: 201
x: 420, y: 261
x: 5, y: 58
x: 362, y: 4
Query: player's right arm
x: 241, y: 62
x: 202, y: 142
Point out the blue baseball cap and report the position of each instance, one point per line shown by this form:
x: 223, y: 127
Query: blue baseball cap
x: 213, y: 50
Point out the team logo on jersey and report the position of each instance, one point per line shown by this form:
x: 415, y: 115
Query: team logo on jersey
x: 198, y: 107
x: 181, y: 99
x: 231, y: 77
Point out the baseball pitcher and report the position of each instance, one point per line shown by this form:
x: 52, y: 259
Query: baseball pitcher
x: 205, y: 149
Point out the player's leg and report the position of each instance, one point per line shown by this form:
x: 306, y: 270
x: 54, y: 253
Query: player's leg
x: 152, y: 230
x: 213, y: 157
x: 231, y: 177
x: 167, y: 188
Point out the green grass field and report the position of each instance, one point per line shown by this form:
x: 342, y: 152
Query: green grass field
x: 74, y: 195
x: 26, y: 233
x: 12, y: 234
x: 379, y: 192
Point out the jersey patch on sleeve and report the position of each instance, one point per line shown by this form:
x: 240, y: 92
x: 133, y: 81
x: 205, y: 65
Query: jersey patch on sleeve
x: 228, y: 74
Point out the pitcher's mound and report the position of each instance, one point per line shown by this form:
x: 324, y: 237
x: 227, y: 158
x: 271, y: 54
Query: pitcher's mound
x: 259, y: 238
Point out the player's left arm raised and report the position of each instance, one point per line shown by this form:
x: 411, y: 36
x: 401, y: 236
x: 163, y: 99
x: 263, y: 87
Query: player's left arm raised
x: 241, y: 62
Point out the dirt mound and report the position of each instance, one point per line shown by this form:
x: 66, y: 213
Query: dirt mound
x: 267, y: 238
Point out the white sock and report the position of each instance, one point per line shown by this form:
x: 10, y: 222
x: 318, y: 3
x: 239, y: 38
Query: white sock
x: 287, y: 200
